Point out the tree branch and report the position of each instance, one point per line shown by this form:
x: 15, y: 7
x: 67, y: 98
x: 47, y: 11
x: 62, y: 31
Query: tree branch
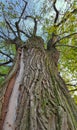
x: 5, y: 63
x: 71, y: 84
x: 67, y: 36
x: 55, y: 39
x: 2, y: 37
x: 8, y: 24
x: 73, y: 90
x: 52, y: 41
x: 17, y: 23
x: 56, y: 11
x: 35, y: 27
x: 22, y: 12
x: 7, y: 55
x: 67, y: 46
x: 35, y: 24
x: 10, y: 27
x: 17, y: 27
x: 66, y: 18
x: 24, y: 33
x: 2, y: 74
x: 1, y: 31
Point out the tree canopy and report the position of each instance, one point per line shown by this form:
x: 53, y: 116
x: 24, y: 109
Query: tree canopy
x: 26, y: 18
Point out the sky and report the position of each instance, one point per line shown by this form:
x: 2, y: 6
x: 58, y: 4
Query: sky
x: 34, y: 8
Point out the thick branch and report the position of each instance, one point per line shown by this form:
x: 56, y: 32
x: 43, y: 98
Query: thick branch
x: 56, y: 11
x: 17, y: 27
x: 52, y: 41
x: 35, y: 27
x: 55, y: 39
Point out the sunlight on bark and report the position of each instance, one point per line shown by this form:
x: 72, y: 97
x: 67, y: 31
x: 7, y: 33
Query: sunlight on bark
x: 12, y: 108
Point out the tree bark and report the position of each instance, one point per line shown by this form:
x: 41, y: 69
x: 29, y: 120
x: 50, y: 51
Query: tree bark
x: 42, y: 99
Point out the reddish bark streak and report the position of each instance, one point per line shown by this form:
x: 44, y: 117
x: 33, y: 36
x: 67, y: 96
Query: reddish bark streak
x: 7, y: 96
x: 6, y: 100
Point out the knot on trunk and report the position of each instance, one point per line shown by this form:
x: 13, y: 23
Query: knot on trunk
x: 35, y: 42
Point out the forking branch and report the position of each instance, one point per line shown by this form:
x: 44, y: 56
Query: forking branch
x: 35, y: 24
x: 17, y: 22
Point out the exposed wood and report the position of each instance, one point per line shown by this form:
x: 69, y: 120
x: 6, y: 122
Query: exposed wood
x: 6, y: 100
x: 10, y: 80
x: 12, y: 106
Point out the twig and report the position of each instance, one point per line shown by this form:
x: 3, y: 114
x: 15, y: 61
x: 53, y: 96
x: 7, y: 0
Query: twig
x: 66, y: 46
x: 68, y: 35
x: 24, y: 33
x: 1, y: 64
x: 17, y: 22
x: 10, y: 27
x: 1, y: 31
x: 2, y: 74
x: 8, y: 24
x: 7, y: 55
x: 2, y: 37
x: 73, y: 90
x: 72, y: 85
x: 22, y: 12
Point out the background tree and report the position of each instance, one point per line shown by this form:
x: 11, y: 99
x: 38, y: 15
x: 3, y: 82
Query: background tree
x: 34, y: 96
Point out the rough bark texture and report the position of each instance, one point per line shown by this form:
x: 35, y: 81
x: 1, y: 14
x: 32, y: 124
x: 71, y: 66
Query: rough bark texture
x: 43, y: 102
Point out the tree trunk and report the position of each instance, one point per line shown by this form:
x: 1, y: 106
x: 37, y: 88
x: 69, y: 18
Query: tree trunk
x: 39, y: 99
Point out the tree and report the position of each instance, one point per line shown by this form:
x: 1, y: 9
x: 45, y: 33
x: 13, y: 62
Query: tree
x: 34, y: 96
